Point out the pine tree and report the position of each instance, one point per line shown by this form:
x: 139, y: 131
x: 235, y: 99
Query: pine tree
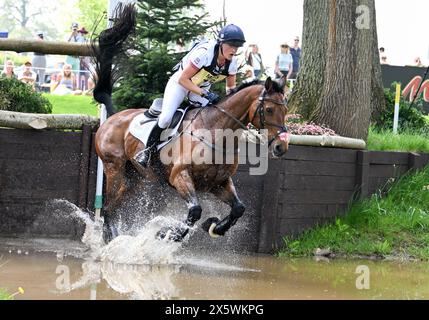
x: 160, y: 25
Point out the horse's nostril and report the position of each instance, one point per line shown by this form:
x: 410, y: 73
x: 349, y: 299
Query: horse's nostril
x: 278, y: 148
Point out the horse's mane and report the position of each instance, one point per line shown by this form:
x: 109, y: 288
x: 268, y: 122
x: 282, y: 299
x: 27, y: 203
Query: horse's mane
x: 276, y: 87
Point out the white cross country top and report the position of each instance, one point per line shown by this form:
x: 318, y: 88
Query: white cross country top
x: 204, y: 57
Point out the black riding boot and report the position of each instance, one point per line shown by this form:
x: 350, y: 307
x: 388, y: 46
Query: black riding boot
x: 143, y: 157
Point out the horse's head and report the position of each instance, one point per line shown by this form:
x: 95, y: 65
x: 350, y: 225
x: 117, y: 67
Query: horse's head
x: 268, y: 112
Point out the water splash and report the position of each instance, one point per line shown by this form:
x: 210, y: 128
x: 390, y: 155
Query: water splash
x: 143, y: 248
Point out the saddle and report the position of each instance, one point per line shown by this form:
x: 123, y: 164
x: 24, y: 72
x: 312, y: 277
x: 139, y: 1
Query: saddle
x: 141, y: 126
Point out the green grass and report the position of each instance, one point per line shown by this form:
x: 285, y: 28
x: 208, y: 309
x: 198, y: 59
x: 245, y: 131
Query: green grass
x: 4, y: 295
x: 407, y: 141
x: 70, y: 104
x: 397, y: 225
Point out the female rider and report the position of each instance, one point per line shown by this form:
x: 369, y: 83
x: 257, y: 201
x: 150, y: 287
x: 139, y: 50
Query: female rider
x: 207, y: 63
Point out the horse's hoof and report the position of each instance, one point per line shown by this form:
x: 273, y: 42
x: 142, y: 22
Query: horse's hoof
x: 209, y: 226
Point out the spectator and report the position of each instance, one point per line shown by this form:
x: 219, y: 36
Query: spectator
x: 383, y: 57
x: 84, y: 65
x: 66, y: 82
x: 284, y: 63
x: 39, y: 62
x: 27, y: 75
x: 254, y: 59
x: 295, y: 51
x: 418, y: 62
x: 8, y: 71
x: 75, y: 36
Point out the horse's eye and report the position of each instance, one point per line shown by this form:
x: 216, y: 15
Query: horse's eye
x: 269, y: 110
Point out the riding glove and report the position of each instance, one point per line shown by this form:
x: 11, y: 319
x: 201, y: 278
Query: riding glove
x: 212, y: 97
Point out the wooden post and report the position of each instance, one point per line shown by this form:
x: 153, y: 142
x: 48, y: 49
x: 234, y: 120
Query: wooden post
x: 362, y: 175
x: 84, y: 166
x: 268, y: 214
x: 415, y: 161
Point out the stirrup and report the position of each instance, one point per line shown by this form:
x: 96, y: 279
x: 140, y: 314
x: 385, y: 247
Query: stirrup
x: 144, y: 156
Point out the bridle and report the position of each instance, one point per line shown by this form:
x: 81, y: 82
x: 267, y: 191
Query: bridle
x: 261, y: 111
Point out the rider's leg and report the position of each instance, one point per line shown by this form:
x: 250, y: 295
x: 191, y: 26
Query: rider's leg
x: 225, y: 192
x: 173, y: 97
x: 144, y: 156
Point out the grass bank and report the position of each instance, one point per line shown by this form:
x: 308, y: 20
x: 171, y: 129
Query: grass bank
x: 407, y: 141
x: 396, y: 225
x: 70, y: 104
x: 4, y: 295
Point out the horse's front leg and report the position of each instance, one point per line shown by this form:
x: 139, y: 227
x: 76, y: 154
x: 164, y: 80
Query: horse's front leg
x: 184, y: 185
x: 226, y: 192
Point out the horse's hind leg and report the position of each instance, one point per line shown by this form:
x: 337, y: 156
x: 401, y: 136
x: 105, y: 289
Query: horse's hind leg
x: 115, y: 188
x: 185, y: 187
x: 226, y: 192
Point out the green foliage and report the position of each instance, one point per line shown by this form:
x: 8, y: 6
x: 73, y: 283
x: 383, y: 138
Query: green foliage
x: 92, y: 15
x: 4, y: 295
x: 18, y: 96
x: 409, y: 118
x: 160, y: 25
x: 397, y: 224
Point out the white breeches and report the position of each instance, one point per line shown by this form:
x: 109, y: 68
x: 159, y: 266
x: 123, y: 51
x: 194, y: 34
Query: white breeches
x: 174, y: 95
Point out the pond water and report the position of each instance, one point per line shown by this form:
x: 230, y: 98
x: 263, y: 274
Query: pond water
x: 202, y: 276
x: 139, y: 266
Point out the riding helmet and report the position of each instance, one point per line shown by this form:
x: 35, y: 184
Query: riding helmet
x: 232, y: 35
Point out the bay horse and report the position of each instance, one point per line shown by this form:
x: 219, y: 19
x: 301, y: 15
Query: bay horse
x: 262, y: 105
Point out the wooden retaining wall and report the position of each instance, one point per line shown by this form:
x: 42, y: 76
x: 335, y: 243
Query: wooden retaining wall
x: 310, y: 186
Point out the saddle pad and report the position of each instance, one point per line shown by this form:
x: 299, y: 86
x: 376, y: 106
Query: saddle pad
x: 141, y: 127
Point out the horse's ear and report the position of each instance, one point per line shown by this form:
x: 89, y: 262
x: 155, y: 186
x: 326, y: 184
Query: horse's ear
x: 268, y: 84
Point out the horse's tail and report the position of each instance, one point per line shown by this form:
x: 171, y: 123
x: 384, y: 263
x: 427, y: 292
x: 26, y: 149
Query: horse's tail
x: 105, y: 47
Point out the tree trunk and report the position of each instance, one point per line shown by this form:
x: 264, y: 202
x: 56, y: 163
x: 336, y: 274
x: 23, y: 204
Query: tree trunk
x: 378, y: 101
x: 48, y: 47
x: 348, y: 89
x: 311, y: 76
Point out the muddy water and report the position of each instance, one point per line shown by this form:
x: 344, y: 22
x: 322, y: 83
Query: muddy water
x: 136, y: 265
x: 201, y: 276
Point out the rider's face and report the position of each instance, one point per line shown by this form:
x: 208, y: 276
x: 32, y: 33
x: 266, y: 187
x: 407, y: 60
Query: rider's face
x: 229, y: 51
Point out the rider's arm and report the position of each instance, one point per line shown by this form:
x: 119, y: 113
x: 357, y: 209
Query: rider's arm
x: 186, y: 82
x: 231, y: 81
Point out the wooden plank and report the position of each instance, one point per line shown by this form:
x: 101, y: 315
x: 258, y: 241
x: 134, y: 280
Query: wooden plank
x: 316, y: 197
x: 299, y: 211
x: 30, y: 151
x: 306, y: 153
x: 38, y: 195
x: 415, y: 161
x: 389, y: 157
x: 41, y: 166
x: 48, y: 137
x: 295, y: 227
x: 268, y: 212
x: 380, y: 184
x: 296, y: 182
x: 295, y: 211
x: 47, y: 181
x: 385, y: 170
x: 312, y: 168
